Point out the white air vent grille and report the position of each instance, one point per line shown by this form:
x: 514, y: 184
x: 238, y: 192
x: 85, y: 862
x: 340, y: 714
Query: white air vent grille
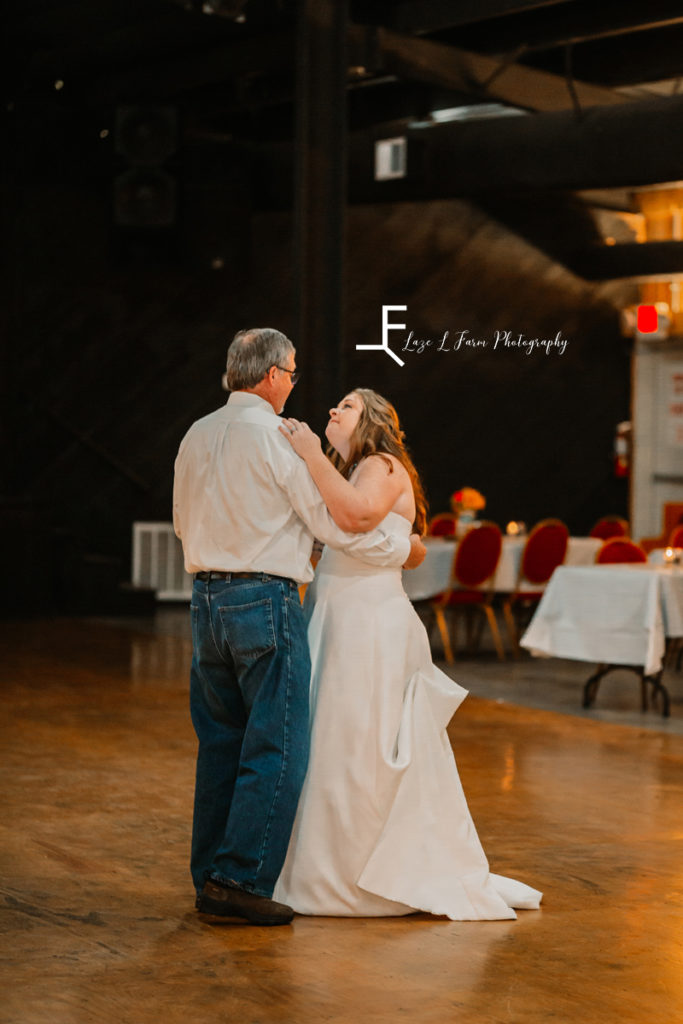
x: 158, y: 561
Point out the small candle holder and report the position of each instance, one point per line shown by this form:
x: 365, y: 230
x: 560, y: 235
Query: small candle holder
x: 515, y: 528
x: 672, y: 556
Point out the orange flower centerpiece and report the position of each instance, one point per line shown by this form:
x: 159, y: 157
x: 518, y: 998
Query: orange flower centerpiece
x: 467, y: 499
x: 466, y: 503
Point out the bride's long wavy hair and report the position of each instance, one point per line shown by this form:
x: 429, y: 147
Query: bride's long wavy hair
x: 378, y: 432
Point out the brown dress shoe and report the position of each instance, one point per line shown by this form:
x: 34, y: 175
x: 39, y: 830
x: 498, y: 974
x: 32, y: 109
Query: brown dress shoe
x: 222, y: 901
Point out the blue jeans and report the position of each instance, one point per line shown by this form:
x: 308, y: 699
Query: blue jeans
x: 249, y: 692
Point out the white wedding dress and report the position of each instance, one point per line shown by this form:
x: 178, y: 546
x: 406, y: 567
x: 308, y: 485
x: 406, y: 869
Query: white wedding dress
x: 383, y: 827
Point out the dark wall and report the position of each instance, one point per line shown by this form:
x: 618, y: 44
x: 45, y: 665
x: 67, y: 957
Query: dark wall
x: 116, y: 341
x: 114, y: 344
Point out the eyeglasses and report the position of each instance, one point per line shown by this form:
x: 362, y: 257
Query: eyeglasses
x: 295, y: 373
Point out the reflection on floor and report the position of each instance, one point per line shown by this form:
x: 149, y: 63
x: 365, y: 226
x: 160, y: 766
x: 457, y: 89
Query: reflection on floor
x: 550, y: 684
x: 99, y: 926
x: 553, y: 684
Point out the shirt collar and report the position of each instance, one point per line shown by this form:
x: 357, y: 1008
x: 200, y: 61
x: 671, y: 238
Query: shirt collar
x: 246, y: 400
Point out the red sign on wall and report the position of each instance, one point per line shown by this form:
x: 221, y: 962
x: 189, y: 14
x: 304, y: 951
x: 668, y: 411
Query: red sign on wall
x: 647, y: 319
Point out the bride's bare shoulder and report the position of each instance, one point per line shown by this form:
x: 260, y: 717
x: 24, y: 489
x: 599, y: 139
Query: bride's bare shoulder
x: 383, y: 474
x: 381, y: 463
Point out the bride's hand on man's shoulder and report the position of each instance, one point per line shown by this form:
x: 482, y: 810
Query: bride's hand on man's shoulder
x: 417, y: 552
x: 302, y: 439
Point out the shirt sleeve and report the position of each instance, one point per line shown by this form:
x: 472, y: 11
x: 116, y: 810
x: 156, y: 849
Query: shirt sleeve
x: 179, y: 488
x: 176, y: 499
x: 375, y: 547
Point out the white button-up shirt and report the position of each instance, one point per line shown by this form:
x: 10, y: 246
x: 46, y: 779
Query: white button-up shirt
x: 244, y: 501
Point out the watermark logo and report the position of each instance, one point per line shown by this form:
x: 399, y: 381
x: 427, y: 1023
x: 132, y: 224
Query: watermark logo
x: 461, y: 339
x: 386, y: 327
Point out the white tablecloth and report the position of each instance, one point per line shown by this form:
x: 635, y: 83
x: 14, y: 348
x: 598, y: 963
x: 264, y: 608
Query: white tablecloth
x: 433, y: 575
x: 618, y: 614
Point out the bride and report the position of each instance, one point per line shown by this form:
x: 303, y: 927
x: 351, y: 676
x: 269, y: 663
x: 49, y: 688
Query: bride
x: 382, y: 826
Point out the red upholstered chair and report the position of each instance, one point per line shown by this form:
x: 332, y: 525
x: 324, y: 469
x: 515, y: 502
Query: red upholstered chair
x: 474, y: 565
x: 608, y: 527
x: 545, y: 549
x: 676, y: 538
x: 620, y: 549
x: 442, y: 525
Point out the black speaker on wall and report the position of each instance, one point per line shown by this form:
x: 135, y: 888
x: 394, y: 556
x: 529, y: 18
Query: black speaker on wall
x: 145, y: 197
x: 145, y: 192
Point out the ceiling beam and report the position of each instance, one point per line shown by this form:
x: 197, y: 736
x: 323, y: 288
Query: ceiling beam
x: 630, y: 59
x: 628, y: 260
x: 619, y: 199
x: 449, y: 67
x: 574, y: 23
x: 433, y: 15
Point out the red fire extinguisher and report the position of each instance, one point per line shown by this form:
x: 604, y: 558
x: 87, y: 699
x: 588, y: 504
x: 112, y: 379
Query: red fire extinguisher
x: 622, y: 449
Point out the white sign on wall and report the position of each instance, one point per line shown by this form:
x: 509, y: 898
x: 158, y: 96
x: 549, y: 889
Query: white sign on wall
x: 391, y: 158
x: 675, y: 406
x: 657, y: 463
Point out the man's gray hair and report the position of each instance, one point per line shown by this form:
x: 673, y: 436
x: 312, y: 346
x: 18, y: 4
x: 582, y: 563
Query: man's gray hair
x: 252, y: 353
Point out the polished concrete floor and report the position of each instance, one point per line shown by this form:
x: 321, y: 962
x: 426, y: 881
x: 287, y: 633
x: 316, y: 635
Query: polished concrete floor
x: 98, y: 924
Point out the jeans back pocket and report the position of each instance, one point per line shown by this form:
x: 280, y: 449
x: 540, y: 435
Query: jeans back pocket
x: 248, y: 629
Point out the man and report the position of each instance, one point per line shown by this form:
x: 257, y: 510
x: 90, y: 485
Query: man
x: 247, y: 511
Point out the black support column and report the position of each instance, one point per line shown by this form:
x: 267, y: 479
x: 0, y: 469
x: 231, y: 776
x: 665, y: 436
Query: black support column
x: 320, y: 204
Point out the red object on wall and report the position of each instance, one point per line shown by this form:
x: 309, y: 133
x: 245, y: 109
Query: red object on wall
x: 647, y: 319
